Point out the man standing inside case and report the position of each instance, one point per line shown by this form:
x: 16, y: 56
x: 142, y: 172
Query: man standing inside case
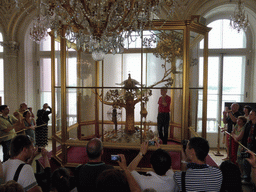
x: 163, y: 117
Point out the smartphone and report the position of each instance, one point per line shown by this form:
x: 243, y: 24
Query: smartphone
x: 152, y: 143
x: 115, y: 158
x: 245, y: 155
x: 39, y: 149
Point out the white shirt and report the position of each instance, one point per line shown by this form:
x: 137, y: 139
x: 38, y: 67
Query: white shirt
x: 26, y: 177
x: 164, y: 183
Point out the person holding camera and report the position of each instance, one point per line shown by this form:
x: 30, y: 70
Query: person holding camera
x: 252, y: 160
x: 18, y: 167
x: 41, y: 131
x: 230, y: 118
x: 197, y: 175
x: 117, y: 180
x: 87, y: 174
x: 161, y: 178
x: 250, y: 142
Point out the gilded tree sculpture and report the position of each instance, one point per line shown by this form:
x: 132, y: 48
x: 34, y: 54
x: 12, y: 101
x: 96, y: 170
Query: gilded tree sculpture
x: 169, y: 48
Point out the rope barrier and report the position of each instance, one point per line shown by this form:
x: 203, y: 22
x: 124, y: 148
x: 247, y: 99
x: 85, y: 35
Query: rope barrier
x: 239, y: 143
x: 23, y: 130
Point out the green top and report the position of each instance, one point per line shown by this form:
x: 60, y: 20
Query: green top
x: 4, y: 124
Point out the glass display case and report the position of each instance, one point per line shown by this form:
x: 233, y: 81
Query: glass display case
x: 116, y: 99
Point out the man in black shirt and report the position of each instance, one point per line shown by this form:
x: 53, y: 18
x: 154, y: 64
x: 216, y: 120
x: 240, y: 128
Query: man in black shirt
x: 87, y: 174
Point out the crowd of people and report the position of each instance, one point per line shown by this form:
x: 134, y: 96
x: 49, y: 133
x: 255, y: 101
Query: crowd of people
x: 240, y: 137
x: 16, y: 173
x: 20, y: 147
x: 23, y: 122
x: 97, y: 176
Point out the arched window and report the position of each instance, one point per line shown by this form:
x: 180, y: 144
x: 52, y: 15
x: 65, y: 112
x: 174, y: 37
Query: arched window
x: 226, y: 69
x: 1, y: 70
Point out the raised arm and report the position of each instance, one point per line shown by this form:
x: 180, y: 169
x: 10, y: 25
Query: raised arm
x: 225, y: 117
x: 232, y: 117
x: 252, y: 161
x: 143, y: 150
x: 134, y: 186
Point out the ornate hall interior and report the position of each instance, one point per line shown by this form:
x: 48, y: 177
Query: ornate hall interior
x: 80, y: 94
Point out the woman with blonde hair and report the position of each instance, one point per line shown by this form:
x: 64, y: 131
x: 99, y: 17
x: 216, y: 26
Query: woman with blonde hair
x: 238, y: 134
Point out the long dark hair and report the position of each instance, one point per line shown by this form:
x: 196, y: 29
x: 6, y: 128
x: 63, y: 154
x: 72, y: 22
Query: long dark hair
x: 60, y: 180
x: 231, y: 177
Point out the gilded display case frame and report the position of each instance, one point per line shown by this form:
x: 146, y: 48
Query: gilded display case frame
x: 61, y: 138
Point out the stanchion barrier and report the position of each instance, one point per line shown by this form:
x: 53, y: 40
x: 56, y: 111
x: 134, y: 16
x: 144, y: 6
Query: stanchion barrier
x: 239, y: 143
x: 218, y: 144
x: 23, y: 130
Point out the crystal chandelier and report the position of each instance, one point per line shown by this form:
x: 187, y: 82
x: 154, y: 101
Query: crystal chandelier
x: 100, y: 26
x: 38, y: 31
x: 239, y: 20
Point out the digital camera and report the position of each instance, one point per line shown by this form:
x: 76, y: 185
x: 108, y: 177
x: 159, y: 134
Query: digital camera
x: 245, y: 155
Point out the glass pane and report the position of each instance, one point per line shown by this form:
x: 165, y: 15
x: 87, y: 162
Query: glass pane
x: 57, y: 68
x: 196, y: 71
x: 132, y: 66
x: 213, y: 74
x: 58, y: 109
x: 45, y: 83
x: 196, y: 110
x: 88, y: 130
x: 164, y: 62
x: 113, y: 70
x: 155, y: 71
x: 176, y: 113
x: 2, y: 80
x: 222, y: 36
x: 45, y: 45
x: 212, y: 96
x: 71, y: 72
x: 233, y: 79
x: 1, y: 40
x: 197, y: 117
x: 87, y: 104
x: 71, y: 106
x: 86, y: 71
x: 231, y: 38
x: 45, y: 78
x: 133, y: 42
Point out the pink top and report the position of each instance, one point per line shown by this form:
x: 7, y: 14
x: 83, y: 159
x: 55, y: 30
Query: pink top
x: 162, y: 108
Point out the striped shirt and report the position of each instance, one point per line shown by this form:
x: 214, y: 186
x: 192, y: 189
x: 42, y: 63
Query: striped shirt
x: 200, y: 178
